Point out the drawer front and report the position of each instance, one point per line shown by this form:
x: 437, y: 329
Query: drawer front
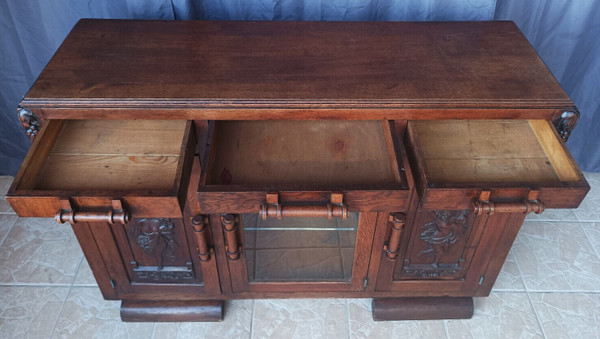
x: 456, y: 161
x: 304, y: 162
x: 88, y: 167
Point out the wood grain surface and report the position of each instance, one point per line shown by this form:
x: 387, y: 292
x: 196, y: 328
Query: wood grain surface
x: 195, y: 65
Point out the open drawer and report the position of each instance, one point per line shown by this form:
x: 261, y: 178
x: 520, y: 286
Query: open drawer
x: 138, y: 166
x: 453, y: 161
x: 355, y: 163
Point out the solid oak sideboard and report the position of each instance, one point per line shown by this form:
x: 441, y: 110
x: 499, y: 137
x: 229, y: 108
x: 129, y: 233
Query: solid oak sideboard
x: 202, y: 161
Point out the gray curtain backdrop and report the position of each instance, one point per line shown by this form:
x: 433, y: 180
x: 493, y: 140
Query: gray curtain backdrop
x: 565, y: 34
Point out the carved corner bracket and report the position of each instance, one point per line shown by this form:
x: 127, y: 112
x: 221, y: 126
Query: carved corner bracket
x: 30, y: 121
x: 565, y: 123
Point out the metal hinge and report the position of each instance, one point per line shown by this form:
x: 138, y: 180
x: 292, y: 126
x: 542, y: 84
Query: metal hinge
x: 365, y: 282
x: 481, y: 279
x: 112, y: 283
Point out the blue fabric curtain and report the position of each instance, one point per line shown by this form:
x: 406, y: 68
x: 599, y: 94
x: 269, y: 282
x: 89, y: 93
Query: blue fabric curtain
x: 566, y: 35
x: 563, y: 33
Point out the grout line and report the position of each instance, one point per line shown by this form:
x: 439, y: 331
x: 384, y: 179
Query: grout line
x: 77, y: 270
x: 505, y: 290
x: 348, y: 318
x: 67, y: 297
x: 564, y: 291
x: 252, y: 319
x: 535, y: 313
x: 60, y: 312
x: 7, y: 233
x: 444, y: 323
x: 153, y: 331
x: 17, y: 284
x: 590, y: 241
x: 588, y: 237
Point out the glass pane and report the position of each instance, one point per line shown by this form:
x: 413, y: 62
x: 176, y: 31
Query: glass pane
x: 299, y: 249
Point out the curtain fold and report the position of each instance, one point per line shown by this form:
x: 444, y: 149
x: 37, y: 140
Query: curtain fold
x: 565, y: 35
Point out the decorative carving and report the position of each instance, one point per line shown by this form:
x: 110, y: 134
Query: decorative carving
x: 167, y: 273
x: 397, y: 221
x: 565, y: 123
x: 199, y: 225
x: 30, y: 122
x: 230, y: 225
x: 430, y: 272
x: 446, y: 229
x: 157, y: 238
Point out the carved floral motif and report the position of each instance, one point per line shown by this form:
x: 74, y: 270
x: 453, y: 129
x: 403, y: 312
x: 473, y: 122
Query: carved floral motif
x: 29, y: 121
x: 164, y: 275
x: 565, y: 123
x: 156, y: 237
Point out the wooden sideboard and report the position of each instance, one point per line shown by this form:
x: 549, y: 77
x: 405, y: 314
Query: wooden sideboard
x: 204, y: 161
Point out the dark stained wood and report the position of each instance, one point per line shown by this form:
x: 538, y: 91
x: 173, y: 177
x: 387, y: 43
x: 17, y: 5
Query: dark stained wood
x: 104, y: 160
x: 453, y: 164
x: 322, y: 66
x: 422, y: 308
x: 165, y: 311
x: 226, y: 158
x: 94, y: 258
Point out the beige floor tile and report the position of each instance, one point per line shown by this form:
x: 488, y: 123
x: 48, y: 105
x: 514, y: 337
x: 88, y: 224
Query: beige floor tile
x: 592, y: 230
x: 556, y: 256
x: 84, y: 276
x: 39, y: 250
x: 6, y: 223
x: 501, y: 315
x: 509, y: 278
x: 87, y: 315
x: 363, y: 326
x: 5, y: 182
x: 567, y: 215
x: 29, y: 312
x: 236, y: 324
x: 568, y: 315
x: 589, y: 210
x: 300, y: 318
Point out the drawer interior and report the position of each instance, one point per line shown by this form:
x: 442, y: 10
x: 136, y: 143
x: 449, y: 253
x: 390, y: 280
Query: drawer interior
x: 492, y: 151
x: 304, y: 153
x: 108, y: 155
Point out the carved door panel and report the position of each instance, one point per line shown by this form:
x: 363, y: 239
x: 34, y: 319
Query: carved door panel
x: 155, y: 250
x: 440, y: 247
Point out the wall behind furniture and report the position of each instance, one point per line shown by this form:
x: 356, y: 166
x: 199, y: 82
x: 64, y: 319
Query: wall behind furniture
x: 566, y: 35
x: 32, y: 30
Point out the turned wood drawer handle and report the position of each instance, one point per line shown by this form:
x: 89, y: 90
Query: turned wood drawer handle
x: 230, y: 226
x: 391, y: 247
x: 199, y: 224
x: 273, y: 209
x: 117, y: 214
x: 529, y: 204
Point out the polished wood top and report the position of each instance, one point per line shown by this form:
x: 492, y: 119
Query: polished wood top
x: 316, y: 66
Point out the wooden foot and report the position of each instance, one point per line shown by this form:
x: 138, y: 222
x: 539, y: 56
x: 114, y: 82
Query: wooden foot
x: 171, y: 311
x: 422, y: 308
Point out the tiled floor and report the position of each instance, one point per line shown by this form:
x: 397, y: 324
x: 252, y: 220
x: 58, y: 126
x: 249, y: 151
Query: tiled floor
x: 549, y: 287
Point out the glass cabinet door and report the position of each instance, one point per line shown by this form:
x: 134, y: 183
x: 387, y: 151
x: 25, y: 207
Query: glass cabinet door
x: 299, y: 249
x: 320, y: 254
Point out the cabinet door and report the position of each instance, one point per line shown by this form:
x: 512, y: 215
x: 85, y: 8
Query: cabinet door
x: 296, y: 254
x: 445, y: 252
x: 440, y: 245
x: 147, y: 256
